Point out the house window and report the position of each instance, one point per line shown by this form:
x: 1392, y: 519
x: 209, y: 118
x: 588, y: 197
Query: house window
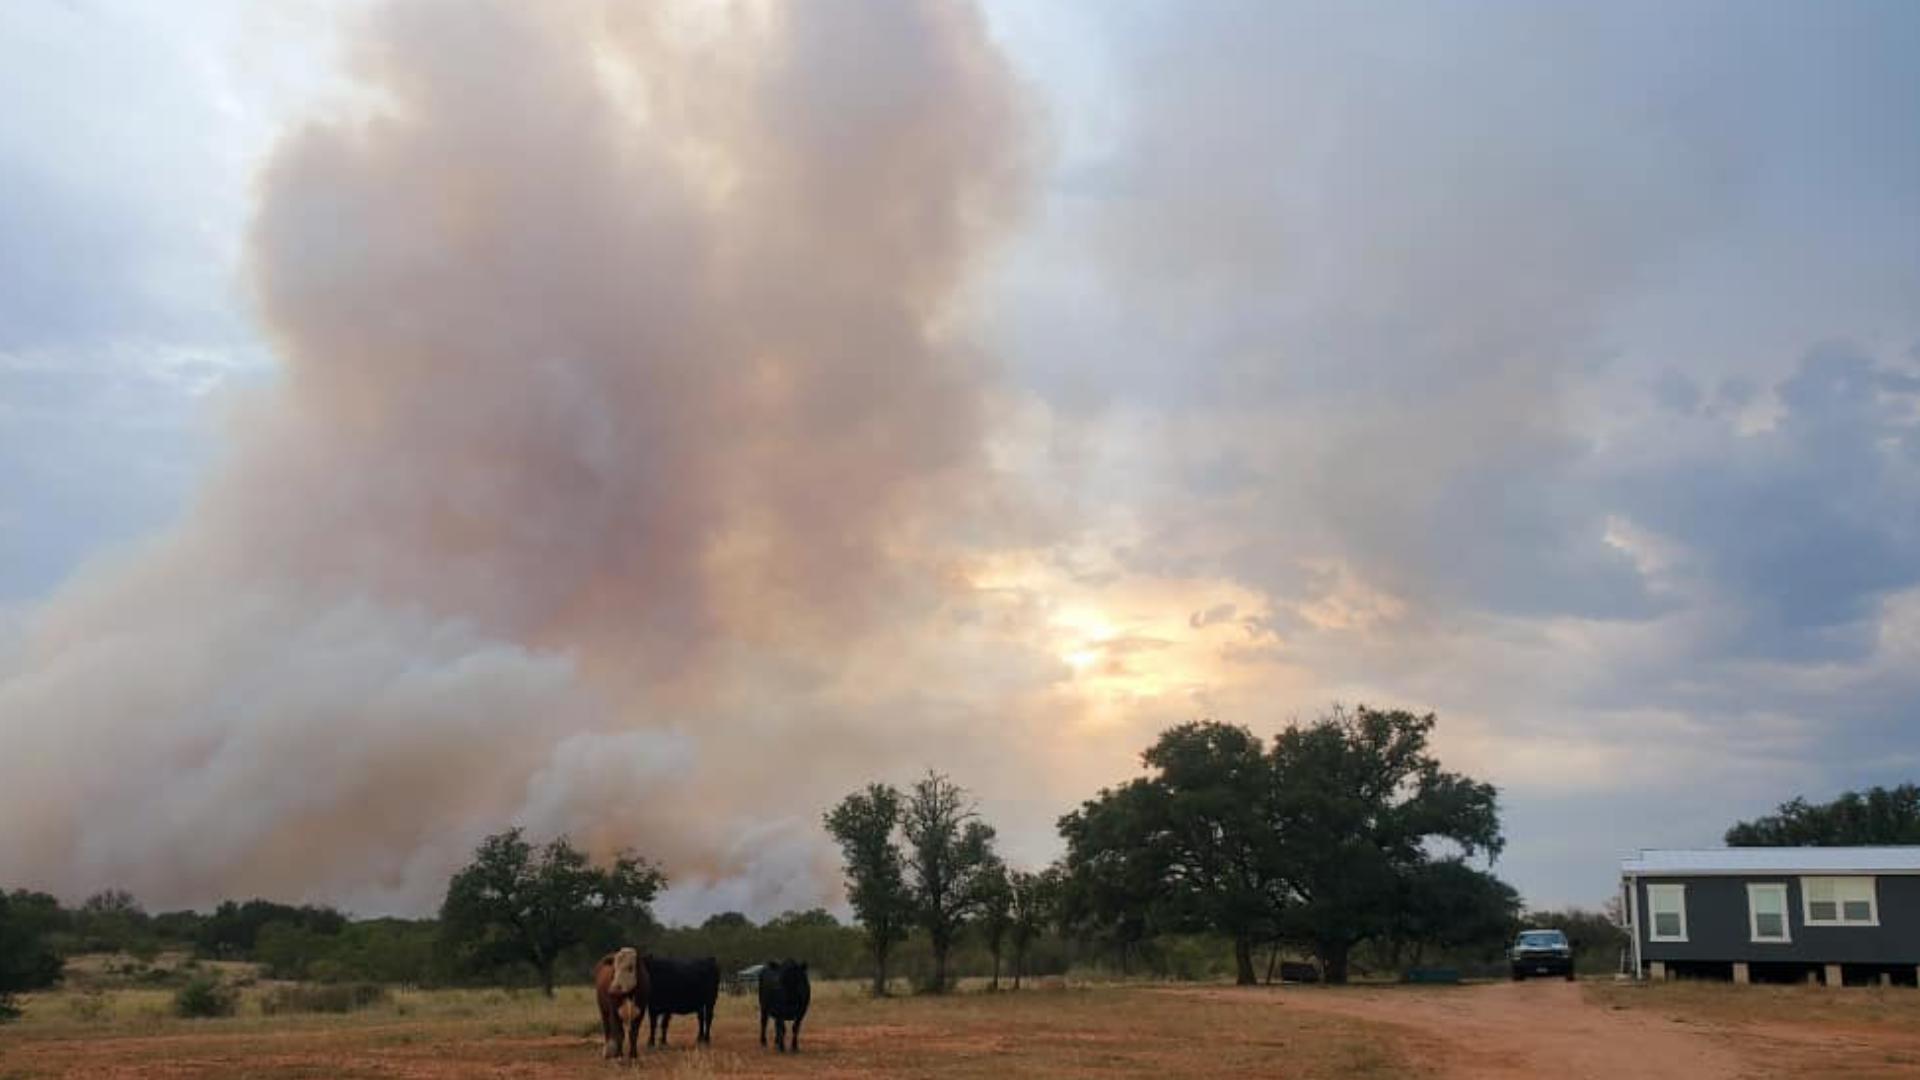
x: 1668, y: 905
x: 1767, y: 911
x: 1839, y: 901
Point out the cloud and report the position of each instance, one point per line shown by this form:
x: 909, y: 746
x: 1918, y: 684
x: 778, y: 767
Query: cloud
x: 1218, y: 613
x: 1478, y: 348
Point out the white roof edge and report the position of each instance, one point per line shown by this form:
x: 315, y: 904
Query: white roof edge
x: 1903, y: 859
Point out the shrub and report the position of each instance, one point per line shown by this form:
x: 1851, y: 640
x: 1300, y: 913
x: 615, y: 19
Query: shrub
x: 89, y: 1005
x: 329, y: 998
x: 205, y: 996
x: 26, y: 961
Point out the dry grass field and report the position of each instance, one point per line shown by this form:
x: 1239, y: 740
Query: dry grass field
x: 1696, y: 1031
x: 1049, y: 1031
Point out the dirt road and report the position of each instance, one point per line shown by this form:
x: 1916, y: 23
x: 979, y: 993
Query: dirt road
x: 1531, y: 1029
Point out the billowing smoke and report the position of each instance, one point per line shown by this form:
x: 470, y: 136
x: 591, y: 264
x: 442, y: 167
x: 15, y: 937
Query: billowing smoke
x: 621, y: 414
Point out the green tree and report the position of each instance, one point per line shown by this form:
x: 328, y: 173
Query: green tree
x: 516, y: 902
x: 1034, y: 904
x: 1596, y: 938
x: 111, y: 920
x: 26, y: 960
x: 41, y: 915
x: 231, y: 932
x: 1360, y: 804
x: 949, y: 852
x: 1112, y: 889
x: 996, y: 913
x: 1877, y: 815
x: 810, y: 919
x: 384, y: 951
x: 1447, y: 904
x: 1203, y: 825
x: 288, y: 951
x: 727, y: 920
x: 864, y: 825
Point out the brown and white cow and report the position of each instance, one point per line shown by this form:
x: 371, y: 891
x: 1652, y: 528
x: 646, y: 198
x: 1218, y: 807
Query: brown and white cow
x: 620, y: 978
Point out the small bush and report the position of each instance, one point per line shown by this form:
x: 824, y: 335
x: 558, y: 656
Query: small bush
x: 329, y: 998
x: 90, y: 1005
x: 205, y: 996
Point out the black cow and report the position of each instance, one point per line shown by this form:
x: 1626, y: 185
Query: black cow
x: 784, y: 995
x: 681, y: 986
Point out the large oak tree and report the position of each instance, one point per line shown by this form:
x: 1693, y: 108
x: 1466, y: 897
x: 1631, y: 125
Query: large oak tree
x: 516, y: 902
x: 1203, y: 825
x: 1361, y: 806
x: 1334, y: 836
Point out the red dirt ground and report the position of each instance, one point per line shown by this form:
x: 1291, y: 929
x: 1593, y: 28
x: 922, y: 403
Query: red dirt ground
x: 1537, y: 1029
x: 1569, y: 1031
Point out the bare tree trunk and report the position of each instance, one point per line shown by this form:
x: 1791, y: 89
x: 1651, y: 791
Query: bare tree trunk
x: 939, y: 968
x: 1243, y: 961
x: 1333, y: 961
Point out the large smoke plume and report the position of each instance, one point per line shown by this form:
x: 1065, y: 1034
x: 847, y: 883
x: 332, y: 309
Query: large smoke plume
x: 619, y: 413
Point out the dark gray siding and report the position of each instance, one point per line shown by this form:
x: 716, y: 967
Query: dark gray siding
x: 1717, y: 927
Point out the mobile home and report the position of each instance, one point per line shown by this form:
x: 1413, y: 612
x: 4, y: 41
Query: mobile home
x: 1832, y: 914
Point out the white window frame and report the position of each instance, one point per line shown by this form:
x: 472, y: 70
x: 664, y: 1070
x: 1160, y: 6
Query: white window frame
x: 1654, y: 892
x: 1839, y: 901
x: 1778, y: 888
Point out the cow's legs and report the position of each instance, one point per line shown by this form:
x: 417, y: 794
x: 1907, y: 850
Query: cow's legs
x: 706, y: 1025
x: 666, y: 1022
x: 780, y: 1034
x: 609, y: 1031
x: 763, y: 1027
x: 653, y: 1027
x: 633, y: 1034
x: 796, y: 1034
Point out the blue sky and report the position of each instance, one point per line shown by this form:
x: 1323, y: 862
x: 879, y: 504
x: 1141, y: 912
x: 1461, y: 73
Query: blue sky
x: 1083, y: 370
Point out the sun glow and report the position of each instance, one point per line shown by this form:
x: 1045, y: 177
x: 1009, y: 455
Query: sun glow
x: 1081, y: 659
x: 1170, y: 645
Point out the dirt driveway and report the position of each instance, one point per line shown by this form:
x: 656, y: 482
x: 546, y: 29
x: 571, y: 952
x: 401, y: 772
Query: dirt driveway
x: 1530, y: 1029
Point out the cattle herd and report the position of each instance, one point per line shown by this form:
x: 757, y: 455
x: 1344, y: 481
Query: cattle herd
x: 660, y: 988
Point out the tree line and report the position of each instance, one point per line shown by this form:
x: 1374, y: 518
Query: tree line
x: 1877, y: 815
x: 1342, y: 832
x: 1337, y: 839
x: 923, y: 860
x: 520, y: 914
